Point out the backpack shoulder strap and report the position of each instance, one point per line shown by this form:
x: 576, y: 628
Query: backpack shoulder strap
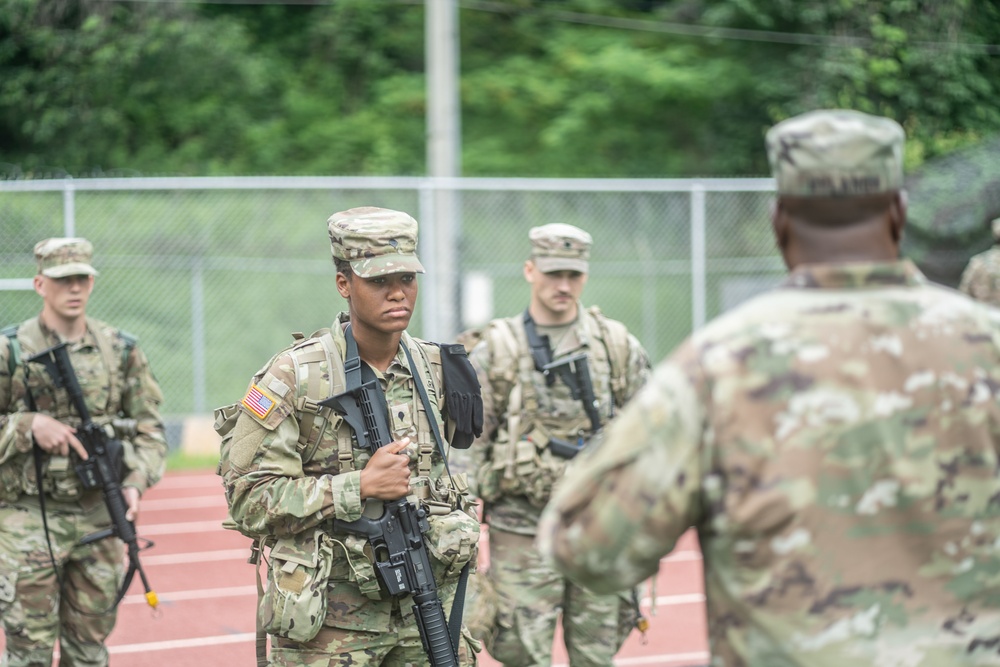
x: 103, y: 334
x: 508, y: 346
x: 129, y: 341
x: 614, y: 336
x: 308, y: 355
x: 14, y: 358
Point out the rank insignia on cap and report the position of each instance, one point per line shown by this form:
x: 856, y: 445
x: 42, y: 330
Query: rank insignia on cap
x: 258, y: 402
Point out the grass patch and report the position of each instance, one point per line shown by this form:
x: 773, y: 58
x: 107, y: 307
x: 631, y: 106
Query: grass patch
x: 178, y: 460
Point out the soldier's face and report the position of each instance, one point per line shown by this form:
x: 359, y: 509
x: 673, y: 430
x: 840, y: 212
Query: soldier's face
x: 383, y: 303
x: 66, y: 297
x: 556, y: 292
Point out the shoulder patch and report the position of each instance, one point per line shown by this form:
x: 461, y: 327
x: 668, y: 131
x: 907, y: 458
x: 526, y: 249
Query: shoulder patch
x: 259, y: 401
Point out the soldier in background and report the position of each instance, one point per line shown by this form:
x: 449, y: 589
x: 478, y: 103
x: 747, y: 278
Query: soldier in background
x: 981, y: 278
x: 533, y: 425
x: 52, y: 587
x: 834, y: 442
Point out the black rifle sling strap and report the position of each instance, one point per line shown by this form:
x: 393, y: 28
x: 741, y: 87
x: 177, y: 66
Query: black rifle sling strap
x: 13, y: 361
x: 540, y: 350
x: 352, y: 361
x: 458, y: 604
x: 36, y: 454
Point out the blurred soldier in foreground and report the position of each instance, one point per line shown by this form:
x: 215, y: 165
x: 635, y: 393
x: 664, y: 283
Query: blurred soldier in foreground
x: 54, y: 585
x: 981, y: 278
x: 834, y: 442
x: 551, y: 378
x: 304, y: 477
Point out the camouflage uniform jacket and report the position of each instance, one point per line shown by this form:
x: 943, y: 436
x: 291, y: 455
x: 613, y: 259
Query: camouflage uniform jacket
x: 118, y: 390
x: 981, y: 278
x: 288, y: 484
x: 835, y: 443
x: 516, y: 481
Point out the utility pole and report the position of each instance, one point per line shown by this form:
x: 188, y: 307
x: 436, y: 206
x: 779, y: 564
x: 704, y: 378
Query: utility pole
x: 440, y: 206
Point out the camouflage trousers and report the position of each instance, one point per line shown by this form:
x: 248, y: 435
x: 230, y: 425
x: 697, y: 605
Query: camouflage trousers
x: 35, y: 613
x: 531, y: 598
x: 400, y: 646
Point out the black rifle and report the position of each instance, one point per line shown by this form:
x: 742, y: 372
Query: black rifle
x: 101, y: 470
x: 574, y: 371
x: 397, y: 537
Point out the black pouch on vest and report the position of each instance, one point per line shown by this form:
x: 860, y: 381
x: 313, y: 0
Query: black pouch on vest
x: 465, y: 402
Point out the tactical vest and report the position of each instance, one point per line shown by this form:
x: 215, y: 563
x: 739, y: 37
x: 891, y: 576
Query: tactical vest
x: 521, y: 462
x: 25, y: 340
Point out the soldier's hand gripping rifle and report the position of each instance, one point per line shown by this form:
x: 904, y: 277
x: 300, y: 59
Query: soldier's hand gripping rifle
x: 101, y: 470
x: 397, y: 537
x: 574, y: 371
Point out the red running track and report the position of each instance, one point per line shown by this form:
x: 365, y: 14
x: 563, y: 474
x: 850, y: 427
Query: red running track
x: 208, y: 592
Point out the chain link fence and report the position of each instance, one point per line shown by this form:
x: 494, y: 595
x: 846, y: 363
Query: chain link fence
x: 213, y: 275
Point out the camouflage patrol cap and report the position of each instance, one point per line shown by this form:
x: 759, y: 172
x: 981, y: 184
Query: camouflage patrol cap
x: 376, y: 241
x: 836, y: 152
x: 995, y: 227
x: 61, y: 257
x: 560, y: 247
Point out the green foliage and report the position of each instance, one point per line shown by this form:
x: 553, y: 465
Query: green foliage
x: 918, y: 61
x: 553, y: 88
x: 93, y: 87
x: 179, y: 460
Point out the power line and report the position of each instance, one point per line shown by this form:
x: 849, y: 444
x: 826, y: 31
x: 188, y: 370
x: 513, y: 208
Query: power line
x: 685, y: 29
x: 771, y: 36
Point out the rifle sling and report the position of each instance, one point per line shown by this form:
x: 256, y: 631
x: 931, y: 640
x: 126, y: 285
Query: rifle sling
x: 540, y: 350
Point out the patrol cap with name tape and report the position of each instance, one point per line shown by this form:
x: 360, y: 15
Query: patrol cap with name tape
x: 67, y: 256
x: 558, y: 246
x: 836, y: 153
x: 376, y: 241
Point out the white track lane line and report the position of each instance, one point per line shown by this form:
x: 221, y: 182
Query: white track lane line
x: 197, y: 594
x: 188, y: 502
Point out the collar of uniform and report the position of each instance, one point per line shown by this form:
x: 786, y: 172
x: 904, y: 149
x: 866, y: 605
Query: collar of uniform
x: 854, y: 275
x: 575, y: 337
x: 54, y: 338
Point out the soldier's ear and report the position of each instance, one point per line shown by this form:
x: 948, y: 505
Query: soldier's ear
x: 897, y: 215
x: 780, y: 224
x: 343, y: 285
x: 529, y: 271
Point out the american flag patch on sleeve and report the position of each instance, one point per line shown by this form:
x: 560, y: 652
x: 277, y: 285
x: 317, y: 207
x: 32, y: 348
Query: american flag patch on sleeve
x: 258, y: 402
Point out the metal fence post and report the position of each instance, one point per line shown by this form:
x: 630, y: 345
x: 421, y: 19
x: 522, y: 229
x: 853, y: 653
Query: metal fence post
x: 69, y: 208
x: 198, y: 335
x: 697, y: 255
x: 427, y: 251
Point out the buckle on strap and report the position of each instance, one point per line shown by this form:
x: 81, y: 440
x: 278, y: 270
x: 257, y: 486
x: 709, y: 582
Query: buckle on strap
x: 305, y: 404
x: 352, y: 364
